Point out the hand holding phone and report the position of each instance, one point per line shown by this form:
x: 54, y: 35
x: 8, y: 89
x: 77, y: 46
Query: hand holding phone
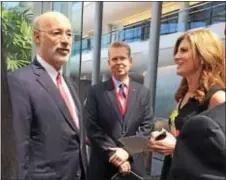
x: 162, y: 142
x: 159, y: 135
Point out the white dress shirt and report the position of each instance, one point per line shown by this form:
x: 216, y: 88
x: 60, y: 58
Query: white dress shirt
x: 53, y: 74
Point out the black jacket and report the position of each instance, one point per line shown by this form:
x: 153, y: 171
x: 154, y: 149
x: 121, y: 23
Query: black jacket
x: 200, y: 149
x: 105, y: 125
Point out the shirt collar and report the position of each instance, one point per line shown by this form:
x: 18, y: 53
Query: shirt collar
x: 118, y: 83
x: 50, y: 69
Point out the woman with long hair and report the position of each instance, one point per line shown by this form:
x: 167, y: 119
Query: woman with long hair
x: 200, y: 59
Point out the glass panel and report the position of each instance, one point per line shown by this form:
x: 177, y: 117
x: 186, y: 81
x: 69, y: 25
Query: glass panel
x: 121, y: 35
x: 199, y: 16
x: 167, y: 83
x: 172, y: 27
x: 218, y: 12
x: 105, y: 40
x: 76, y: 18
x: 73, y: 10
x: 138, y: 33
x: 169, y: 24
x: 145, y: 30
x: 133, y: 34
x: 197, y: 24
x: 58, y: 6
x: 164, y: 29
x: 91, y: 42
x: 84, y: 44
x: 165, y: 90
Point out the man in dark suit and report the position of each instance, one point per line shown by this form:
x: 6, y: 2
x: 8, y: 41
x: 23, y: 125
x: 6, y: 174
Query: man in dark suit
x: 200, y: 149
x: 116, y: 108
x: 46, y: 110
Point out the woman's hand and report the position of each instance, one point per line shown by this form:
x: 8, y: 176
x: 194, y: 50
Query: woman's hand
x: 165, y: 146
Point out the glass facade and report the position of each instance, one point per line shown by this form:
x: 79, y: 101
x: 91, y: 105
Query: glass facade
x: 169, y: 23
x: 18, y: 38
x: 218, y: 12
x: 209, y: 13
x: 199, y: 15
x: 72, y: 68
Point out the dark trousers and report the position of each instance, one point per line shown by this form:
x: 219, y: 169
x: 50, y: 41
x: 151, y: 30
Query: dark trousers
x: 166, y: 167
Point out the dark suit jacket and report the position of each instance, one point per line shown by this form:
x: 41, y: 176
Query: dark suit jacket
x: 200, y: 150
x: 105, y: 125
x: 49, y: 144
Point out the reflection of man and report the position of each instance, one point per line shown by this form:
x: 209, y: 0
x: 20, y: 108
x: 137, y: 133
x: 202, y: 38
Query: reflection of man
x: 47, y: 112
x: 200, y: 150
x: 116, y: 108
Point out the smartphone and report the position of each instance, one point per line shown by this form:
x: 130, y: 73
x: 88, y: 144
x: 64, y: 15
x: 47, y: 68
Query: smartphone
x: 160, y: 136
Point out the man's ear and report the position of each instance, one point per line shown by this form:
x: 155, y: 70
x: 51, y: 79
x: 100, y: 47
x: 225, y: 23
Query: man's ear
x: 36, y: 36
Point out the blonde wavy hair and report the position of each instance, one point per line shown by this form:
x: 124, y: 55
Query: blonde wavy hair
x: 207, y: 47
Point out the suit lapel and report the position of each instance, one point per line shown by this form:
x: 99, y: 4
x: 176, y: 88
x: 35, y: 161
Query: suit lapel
x: 113, y: 99
x: 45, y: 80
x: 132, y: 96
x: 76, y: 100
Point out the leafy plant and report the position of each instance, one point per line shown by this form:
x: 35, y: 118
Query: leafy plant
x: 15, y: 64
x: 16, y: 31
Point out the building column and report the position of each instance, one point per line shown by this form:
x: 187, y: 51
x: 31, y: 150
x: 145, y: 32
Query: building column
x: 151, y: 75
x: 98, y: 16
x: 182, y: 25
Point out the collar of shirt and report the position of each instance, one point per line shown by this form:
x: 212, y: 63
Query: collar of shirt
x: 49, y: 69
x: 117, y: 83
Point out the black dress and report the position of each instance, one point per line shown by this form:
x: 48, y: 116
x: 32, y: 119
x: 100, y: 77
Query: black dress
x: 191, y: 108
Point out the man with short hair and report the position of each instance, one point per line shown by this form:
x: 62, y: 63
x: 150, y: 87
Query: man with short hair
x: 47, y: 113
x: 116, y: 108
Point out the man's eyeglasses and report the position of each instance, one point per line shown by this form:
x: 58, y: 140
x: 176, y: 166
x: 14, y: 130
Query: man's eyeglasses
x: 58, y: 34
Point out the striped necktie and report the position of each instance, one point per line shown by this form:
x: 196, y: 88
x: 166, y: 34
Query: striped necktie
x: 122, y: 97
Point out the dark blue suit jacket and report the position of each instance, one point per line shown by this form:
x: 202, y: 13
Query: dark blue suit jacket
x: 105, y: 125
x: 49, y: 144
x: 200, y: 149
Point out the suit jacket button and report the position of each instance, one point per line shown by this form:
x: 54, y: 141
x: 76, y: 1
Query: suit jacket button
x: 78, y: 175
